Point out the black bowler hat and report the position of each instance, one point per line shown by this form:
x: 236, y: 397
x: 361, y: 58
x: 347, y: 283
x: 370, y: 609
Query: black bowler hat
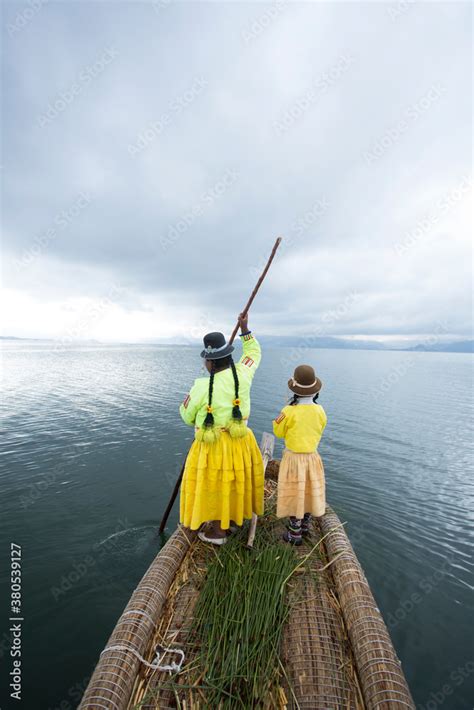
x: 215, y: 347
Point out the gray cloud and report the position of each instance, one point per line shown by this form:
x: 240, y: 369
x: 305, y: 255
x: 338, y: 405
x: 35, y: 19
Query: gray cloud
x: 167, y: 117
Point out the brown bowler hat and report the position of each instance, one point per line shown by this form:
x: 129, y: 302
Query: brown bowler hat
x: 304, y: 381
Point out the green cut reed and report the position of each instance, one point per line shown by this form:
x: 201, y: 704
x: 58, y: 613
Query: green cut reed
x: 238, y: 623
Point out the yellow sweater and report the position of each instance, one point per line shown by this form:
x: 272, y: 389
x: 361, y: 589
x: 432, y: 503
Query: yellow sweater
x: 301, y: 425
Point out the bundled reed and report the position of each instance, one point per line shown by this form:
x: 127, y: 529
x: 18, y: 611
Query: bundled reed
x: 381, y: 676
x: 112, y: 682
x: 159, y: 689
x: 316, y: 651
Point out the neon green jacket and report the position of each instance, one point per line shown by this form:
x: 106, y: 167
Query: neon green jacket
x: 194, y: 408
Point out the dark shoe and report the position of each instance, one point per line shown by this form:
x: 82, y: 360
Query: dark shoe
x: 292, y: 539
x: 305, y: 524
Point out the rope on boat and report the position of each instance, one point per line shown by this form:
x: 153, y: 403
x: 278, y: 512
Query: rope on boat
x: 141, y: 612
x: 155, y: 664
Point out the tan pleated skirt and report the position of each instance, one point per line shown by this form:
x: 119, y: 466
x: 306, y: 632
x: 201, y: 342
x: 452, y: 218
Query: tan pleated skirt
x: 301, y: 485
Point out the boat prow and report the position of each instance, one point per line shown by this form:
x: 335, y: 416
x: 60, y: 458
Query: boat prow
x: 335, y: 649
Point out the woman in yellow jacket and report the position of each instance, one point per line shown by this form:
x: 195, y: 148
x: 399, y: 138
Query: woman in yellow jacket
x: 223, y: 475
x: 301, y: 485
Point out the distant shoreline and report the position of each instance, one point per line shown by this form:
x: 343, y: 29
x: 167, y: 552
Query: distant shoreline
x: 299, y: 342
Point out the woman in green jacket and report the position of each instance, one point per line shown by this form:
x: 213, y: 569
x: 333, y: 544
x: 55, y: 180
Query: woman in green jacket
x: 223, y: 476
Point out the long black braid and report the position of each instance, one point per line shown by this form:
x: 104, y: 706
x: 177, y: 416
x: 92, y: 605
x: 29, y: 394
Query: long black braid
x: 236, y: 413
x: 236, y: 427
x: 209, y: 420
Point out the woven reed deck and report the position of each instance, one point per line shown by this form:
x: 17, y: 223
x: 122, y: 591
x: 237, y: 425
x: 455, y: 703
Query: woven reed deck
x: 336, y: 651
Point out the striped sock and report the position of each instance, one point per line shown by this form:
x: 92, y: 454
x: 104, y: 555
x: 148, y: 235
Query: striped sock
x: 294, y: 529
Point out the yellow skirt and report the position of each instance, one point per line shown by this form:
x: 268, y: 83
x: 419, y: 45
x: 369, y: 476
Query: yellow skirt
x: 222, y: 481
x: 301, y: 485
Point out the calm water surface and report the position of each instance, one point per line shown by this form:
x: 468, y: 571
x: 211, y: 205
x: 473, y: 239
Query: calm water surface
x: 92, y: 444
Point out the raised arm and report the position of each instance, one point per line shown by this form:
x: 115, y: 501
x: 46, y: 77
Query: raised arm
x: 251, y: 350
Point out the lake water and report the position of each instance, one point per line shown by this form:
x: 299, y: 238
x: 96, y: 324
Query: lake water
x: 93, y: 442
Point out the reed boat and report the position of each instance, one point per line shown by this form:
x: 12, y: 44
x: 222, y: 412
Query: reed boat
x: 325, y: 645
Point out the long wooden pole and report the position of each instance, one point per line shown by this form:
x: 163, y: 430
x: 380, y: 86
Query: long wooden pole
x: 176, y: 488
x: 254, y: 292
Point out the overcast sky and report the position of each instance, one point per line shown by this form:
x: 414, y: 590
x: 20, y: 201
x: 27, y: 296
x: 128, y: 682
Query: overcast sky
x: 153, y: 151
